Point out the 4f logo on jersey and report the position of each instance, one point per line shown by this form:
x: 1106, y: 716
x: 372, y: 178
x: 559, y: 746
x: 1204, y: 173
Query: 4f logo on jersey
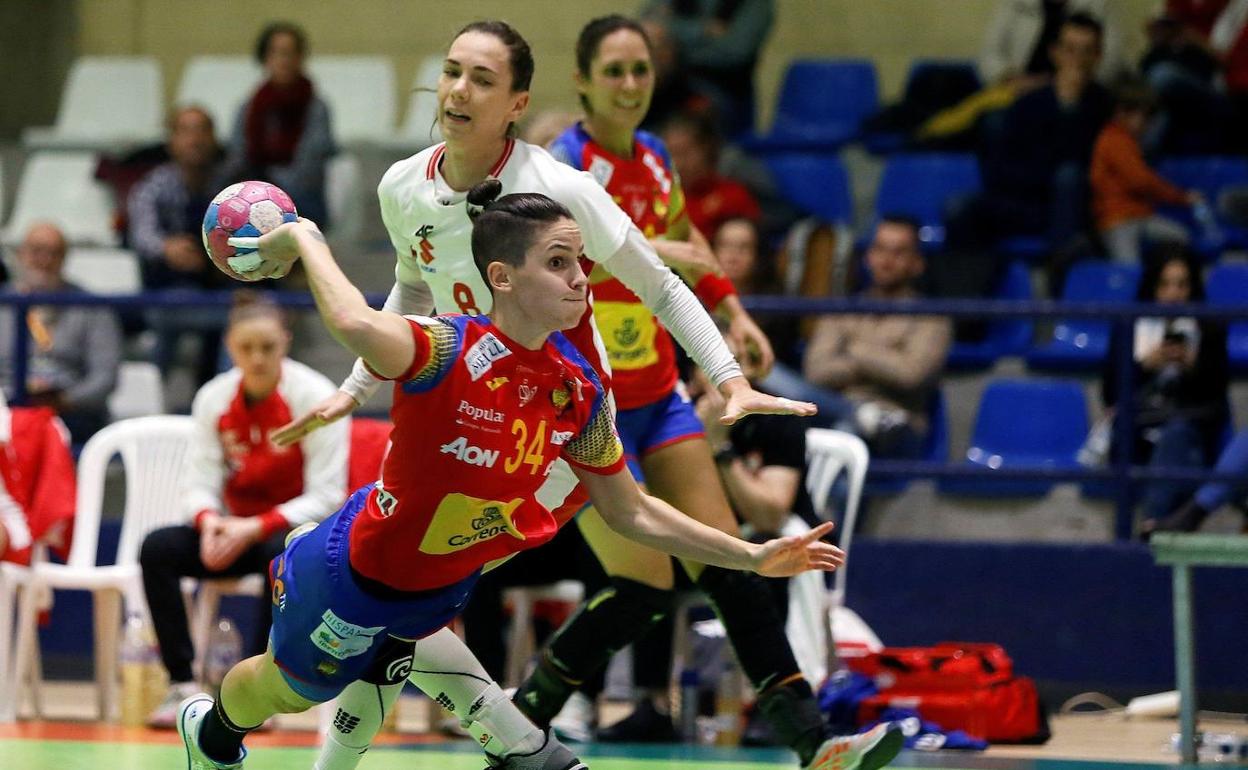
x: 425, y: 251
x: 482, y: 355
x: 467, y: 453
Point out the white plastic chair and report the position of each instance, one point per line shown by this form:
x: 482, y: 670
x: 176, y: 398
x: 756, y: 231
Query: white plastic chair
x: 343, y: 196
x: 522, y: 598
x: 60, y: 187
x: 828, y: 452
x: 219, y: 84
x: 140, y: 391
x: 14, y: 582
x: 104, y: 271
x: 419, y: 128
x: 152, y: 451
x: 108, y: 100
x: 360, y: 93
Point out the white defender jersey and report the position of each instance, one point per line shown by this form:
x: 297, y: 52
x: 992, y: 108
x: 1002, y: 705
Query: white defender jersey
x: 429, y: 226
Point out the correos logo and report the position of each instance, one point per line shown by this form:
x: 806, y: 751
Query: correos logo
x: 462, y: 521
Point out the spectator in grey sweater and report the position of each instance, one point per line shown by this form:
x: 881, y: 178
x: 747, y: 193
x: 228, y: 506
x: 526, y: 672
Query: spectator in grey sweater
x: 74, y: 352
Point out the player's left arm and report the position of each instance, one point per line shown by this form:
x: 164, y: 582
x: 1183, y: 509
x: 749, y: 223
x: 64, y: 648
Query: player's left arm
x: 383, y: 339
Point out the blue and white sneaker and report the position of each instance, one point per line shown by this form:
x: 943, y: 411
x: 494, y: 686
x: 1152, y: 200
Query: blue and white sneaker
x: 190, y: 717
x: 866, y: 751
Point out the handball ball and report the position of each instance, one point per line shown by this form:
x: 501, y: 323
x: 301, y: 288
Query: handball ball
x: 241, y: 210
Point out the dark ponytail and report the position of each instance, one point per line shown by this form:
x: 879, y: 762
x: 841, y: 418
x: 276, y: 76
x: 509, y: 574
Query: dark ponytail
x: 504, y: 229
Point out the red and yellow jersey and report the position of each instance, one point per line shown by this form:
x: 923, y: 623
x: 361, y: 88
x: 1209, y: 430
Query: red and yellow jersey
x: 639, y: 349
x: 479, y: 421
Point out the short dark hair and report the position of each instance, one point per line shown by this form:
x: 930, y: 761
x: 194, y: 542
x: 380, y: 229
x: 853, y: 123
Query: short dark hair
x: 279, y: 28
x: 520, y: 57
x: 591, y: 37
x: 1086, y: 21
x: 906, y: 221
x: 504, y: 229
x: 249, y: 304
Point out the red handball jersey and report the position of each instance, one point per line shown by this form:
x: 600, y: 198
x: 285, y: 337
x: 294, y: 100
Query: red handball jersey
x: 640, y: 350
x: 479, y: 420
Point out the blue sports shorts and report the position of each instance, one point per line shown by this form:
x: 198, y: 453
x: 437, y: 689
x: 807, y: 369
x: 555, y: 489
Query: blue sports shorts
x: 651, y: 427
x: 327, y: 630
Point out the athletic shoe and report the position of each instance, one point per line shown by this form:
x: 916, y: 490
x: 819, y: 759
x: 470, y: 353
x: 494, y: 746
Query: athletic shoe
x: 644, y: 725
x: 867, y: 751
x: 190, y: 717
x: 165, y: 716
x: 553, y: 755
x: 575, y: 721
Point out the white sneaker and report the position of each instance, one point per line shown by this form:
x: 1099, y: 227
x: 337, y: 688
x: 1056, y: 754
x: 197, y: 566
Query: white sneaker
x: 575, y: 721
x: 553, y: 755
x: 867, y: 751
x: 190, y: 717
x: 165, y: 716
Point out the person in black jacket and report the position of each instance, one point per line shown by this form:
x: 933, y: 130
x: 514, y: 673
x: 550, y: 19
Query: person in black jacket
x: 1181, y: 380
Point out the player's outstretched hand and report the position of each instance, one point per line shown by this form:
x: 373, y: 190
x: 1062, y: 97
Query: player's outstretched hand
x: 793, y: 555
x: 335, y: 407
x: 743, y: 400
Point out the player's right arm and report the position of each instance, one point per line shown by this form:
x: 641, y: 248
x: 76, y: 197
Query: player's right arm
x: 383, y: 339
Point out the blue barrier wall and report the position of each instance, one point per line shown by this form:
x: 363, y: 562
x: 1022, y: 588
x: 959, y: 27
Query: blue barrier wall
x: 1079, y: 616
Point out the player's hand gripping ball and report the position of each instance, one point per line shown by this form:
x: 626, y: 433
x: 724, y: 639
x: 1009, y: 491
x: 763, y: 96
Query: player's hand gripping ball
x: 246, y: 209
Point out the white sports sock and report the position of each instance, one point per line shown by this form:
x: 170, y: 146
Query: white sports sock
x: 447, y: 671
x: 360, y: 710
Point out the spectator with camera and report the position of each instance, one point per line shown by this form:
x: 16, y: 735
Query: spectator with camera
x: 1181, y: 379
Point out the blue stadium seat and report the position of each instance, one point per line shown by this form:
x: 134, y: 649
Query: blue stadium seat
x: 922, y: 185
x: 1081, y: 345
x: 1024, y: 424
x: 1227, y: 284
x: 1006, y: 336
x: 1210, y: 175
x: 935, y: 446
x: 814, y: 182
x: 922, y: 74
x: 822, y: 104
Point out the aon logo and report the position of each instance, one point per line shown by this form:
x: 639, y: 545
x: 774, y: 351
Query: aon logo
x: 466, y: 453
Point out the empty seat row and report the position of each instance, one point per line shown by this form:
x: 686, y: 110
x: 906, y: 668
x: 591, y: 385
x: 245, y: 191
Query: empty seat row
x: 111, y: 101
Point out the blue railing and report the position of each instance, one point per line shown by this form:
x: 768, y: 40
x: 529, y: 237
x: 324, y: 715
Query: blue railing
x: 1120, y: 315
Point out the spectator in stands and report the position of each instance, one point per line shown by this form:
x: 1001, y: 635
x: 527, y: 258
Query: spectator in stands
x: 75, y: 350
x: 1036, y: 166
x: 241, y: 492
x: 283, y: 133
x: 1125, y: 191
x: 719, y: 43
x: 166, y: 210
x: 674, y: 94
x: 875, y: 373
x: 1211, y: 496
x: 1229, y: 41
x: 1181, y: 379
x: 1018, y: 44
x: 1182, y: 68
x: 709, y: 197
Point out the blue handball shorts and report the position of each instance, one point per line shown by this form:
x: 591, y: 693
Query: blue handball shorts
x: 327, y: 631
x: 651, y: 427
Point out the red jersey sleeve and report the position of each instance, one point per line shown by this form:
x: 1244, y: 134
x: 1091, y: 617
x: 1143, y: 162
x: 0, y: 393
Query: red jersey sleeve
x: 434, y: 343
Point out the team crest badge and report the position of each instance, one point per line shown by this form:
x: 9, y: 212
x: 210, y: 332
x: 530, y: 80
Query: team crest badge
x: 327, y: 668
x: 560, y: 398
x: 601, y: 170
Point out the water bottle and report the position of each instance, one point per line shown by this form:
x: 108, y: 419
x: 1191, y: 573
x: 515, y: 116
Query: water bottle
x: 728, y: 704
x: 689, y: 685
x: 225, y: 650
x: 1208, y: 222
x: 133, y: 656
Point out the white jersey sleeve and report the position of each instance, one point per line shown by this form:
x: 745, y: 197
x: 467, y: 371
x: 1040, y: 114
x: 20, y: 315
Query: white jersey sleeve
x: 203, y: 477
x: 325, y: 451
x: 404, y: 299
x: 612, y: 240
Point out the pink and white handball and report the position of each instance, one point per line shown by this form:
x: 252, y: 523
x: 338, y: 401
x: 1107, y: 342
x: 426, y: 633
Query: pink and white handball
x: 242, y: 210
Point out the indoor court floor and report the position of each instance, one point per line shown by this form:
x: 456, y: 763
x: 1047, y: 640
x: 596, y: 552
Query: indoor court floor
x: 73, y: 742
